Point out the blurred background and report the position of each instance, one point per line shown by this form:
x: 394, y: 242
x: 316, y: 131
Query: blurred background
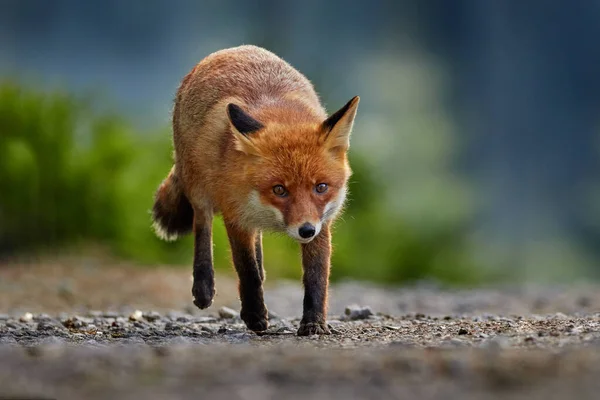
x: 475, y: 150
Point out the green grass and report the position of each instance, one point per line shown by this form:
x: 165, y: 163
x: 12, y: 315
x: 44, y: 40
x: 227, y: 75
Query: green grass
x: 71, y: 175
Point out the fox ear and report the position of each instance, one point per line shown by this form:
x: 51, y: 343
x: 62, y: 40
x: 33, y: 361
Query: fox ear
x: 242, y: 126
x: 337, y: 127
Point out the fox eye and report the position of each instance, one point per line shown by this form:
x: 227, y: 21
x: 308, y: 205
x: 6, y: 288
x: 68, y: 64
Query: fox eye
x: 279, y: 190
x: 321, y: 188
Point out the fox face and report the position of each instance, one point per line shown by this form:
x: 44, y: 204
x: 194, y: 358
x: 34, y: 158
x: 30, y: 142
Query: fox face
x: 298, y: 173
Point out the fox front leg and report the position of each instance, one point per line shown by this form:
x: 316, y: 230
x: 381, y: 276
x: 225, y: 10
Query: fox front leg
x: 243, y: 249
x: 203, y: 288
x: 315, y: 263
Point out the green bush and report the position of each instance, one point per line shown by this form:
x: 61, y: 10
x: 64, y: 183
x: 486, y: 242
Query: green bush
x: 71, y: 175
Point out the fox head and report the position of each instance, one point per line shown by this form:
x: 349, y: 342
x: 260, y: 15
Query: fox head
x: 297, y: 171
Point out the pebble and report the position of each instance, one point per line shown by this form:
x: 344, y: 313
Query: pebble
x: 355, y: 312
x: 227, y: 313
x: 152, y: 316
x: 73, y: 323
x: 27, y: 317
x: 170, y: 326
x: 204, y: 320
x: 136, y: 315
x: 43, y: 317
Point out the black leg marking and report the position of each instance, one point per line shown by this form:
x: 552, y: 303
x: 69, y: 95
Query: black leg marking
x: 203, y: 288
x: 259, y: 256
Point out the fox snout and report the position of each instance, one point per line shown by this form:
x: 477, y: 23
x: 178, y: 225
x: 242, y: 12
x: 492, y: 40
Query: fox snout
x: 304, y: 232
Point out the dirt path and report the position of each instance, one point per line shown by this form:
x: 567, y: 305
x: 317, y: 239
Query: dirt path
x: 156, y: 356
x: 422, y: 342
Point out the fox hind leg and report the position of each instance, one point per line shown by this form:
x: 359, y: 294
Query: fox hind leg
x: 203, y: 288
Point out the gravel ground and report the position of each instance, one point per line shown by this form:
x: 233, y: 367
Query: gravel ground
x: 421, y: 341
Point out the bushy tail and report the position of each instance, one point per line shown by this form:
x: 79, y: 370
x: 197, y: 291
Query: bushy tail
x: 172, y: 213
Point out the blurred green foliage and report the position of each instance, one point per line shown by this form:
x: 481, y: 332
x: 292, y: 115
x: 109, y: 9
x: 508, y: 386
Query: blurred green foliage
x: 71, y: 175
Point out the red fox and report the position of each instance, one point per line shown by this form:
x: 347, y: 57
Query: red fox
x: 253, y: 142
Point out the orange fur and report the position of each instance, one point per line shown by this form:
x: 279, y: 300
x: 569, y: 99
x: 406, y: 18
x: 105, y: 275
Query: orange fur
x: 220, y: 169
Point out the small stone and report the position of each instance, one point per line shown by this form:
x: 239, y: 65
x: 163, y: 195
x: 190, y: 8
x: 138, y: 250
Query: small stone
x: 43, y: 317
x: 529, y: 339
x: 355, y: 312
x: 463, y: 331
x: 170, y: 326
x: 136, y: 315
x: 27, y: 317
x: 152, y: 316
x: 227, y: 313
x: 73, y: 323
x: 4, y: 317
x: 204, y: 320
x: 206, y: 329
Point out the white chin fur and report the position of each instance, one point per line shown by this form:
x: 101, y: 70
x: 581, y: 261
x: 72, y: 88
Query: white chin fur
x: 292, y: 231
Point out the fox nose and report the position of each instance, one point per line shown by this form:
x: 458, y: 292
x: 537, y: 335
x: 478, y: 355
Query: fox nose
x: 306, y: 231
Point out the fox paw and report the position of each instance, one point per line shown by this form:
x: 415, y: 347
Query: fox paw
x: 203, y: 292
x: 313, y: 328
x: 256, y: 322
